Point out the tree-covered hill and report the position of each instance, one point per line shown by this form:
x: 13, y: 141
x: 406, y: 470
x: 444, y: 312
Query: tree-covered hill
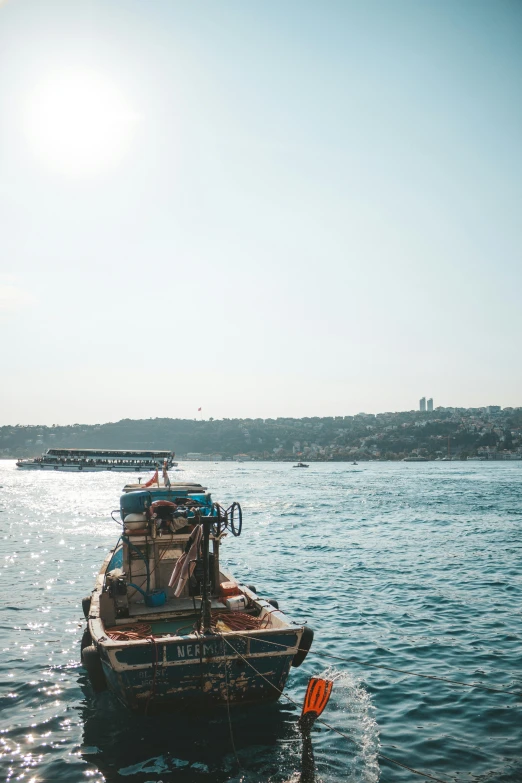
x: 464, y: 432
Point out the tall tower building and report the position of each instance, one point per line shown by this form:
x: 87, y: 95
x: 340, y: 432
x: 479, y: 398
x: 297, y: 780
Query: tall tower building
x: 422, y: 404
x: 430, y: 405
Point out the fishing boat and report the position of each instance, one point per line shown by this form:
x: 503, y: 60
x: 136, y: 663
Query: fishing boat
x: 89, y: 460
x: 167, y: 626
x: 301, y: 465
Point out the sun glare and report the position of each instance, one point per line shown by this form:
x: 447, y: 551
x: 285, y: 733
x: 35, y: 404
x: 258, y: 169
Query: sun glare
x: 80, y: 123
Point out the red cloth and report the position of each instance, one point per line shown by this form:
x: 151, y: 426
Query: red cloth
x: 153, y: 480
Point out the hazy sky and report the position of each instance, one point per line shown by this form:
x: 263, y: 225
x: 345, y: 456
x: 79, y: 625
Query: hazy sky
x: 260, y: 208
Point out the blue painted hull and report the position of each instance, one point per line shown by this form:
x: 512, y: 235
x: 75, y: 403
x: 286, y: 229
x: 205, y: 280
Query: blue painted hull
x: 172, y: 674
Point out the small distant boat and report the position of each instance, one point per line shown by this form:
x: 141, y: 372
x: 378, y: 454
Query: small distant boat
x: 301, y: 465
x: 355, y: 463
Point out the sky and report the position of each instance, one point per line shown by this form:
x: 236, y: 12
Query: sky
x: 260, y: 209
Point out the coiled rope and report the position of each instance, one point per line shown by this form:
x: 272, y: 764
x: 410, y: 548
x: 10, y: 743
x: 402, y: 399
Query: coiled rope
x: 235, y: 621
x: 130, y: 633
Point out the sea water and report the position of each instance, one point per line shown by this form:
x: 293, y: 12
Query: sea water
x: 414, y: 566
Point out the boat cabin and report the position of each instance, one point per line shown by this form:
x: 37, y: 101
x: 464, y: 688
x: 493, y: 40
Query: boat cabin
x: 162, y: 526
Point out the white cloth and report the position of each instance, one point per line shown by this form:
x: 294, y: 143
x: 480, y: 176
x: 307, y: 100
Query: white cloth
x: 186, y: 563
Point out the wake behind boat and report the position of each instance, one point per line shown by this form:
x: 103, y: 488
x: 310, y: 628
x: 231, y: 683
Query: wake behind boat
x: 167, y: 625
x: 90, y: 460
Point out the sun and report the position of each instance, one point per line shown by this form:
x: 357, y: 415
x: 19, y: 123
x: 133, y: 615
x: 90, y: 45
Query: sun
x: 79, y: 123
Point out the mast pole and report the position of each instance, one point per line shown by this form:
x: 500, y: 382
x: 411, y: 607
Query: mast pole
x: 205, y: 598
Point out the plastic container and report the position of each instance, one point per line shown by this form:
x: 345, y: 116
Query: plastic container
x: 138, y: 501
x: 236, y: 603
x: 135, y: 521
x: 135, y: 518
x: 156, y: 598
x: 228, y: 588
x: 199, y: 497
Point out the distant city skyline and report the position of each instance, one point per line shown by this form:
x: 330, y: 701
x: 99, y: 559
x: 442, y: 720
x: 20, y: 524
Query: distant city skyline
x: 487, y: 409
x: 260, y: 209
x: 426, y: 406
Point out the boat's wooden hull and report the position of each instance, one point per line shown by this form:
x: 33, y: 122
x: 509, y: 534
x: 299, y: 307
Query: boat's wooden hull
x: 256, y: 673
x: 154, y: 658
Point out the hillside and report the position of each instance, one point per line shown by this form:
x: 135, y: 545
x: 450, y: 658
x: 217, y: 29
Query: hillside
x: 468, y: 432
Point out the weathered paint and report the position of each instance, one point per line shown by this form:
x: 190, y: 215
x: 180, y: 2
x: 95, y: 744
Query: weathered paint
x: 200, y: 682
x: 191, y: 648
x: 252, y: 667
x: 116, y: 560
x: 269, y: 643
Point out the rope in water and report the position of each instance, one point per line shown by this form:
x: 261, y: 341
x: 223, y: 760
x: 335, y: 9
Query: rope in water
x: 152, y: 691
x: 332, y: 728
x: 142, y: 631
x: 244, y: 622
x: 403, y: 671
x: 228, y: 706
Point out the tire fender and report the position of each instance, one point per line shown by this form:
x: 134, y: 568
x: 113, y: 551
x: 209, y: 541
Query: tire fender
x: 304, y: 646
x: 86, y: 639
x: 86, y: 606
x: 93, y: 666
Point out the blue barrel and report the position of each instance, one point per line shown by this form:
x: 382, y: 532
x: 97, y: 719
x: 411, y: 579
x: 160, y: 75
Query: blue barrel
x: 134, y: 503
x: 137, y: 502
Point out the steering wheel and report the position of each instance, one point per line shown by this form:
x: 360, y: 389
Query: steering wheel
x: 235, y: 518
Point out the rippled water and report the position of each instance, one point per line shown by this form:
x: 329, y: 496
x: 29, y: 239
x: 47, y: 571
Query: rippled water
x: 414, y: 566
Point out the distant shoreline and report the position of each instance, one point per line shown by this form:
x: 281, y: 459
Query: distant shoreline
x: 476, y: 433
x: 182, y: 460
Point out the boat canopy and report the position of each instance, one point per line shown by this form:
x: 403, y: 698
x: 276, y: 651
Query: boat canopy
x: 136, y: 502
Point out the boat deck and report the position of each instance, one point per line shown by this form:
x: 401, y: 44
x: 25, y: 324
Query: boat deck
x: 171, y: 607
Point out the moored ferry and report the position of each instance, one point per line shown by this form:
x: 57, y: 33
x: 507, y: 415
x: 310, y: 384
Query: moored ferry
x: 99, y: 459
